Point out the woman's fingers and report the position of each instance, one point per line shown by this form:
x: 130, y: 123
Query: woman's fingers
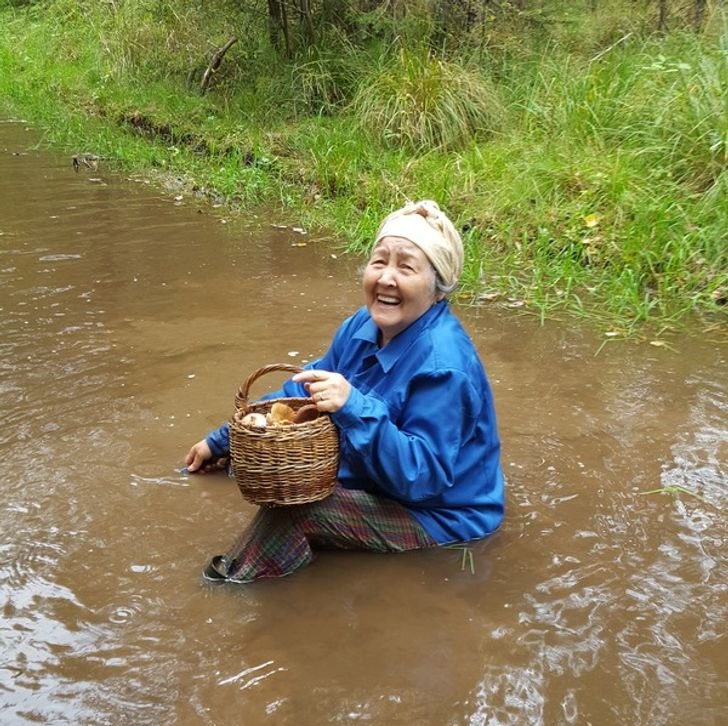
x: 329, y: 391
x: 311, y: 375
x: 313, y: 381
x: 197, y: 456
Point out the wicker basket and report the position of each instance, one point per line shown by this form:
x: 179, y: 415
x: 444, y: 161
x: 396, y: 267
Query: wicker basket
x: 282, y: 464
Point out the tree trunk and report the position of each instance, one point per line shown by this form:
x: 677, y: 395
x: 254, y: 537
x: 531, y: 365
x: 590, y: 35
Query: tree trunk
x: 662, y: 20
x: 274, y: 22
x: 284, y: 24
x: 304, y: 8
x: 278, y: 25
x: 699, y: 14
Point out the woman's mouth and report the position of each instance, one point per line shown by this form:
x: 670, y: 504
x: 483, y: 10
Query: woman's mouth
x: 388, y: 300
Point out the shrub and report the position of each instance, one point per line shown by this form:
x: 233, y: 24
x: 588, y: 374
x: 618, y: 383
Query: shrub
x: 424, y: 102
x: 322, y: 80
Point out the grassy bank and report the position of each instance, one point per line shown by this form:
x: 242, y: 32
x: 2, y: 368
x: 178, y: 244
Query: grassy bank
x: 585, y: 160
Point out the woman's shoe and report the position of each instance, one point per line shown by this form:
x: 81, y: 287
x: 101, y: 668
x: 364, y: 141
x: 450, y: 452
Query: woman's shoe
x: 217, y: 568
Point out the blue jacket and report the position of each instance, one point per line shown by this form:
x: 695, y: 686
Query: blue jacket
x: 419, y: 425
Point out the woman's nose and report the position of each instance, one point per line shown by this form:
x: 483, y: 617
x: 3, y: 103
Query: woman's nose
x: 387, y: 276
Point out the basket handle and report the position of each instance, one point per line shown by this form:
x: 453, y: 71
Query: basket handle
x: 241, y: 399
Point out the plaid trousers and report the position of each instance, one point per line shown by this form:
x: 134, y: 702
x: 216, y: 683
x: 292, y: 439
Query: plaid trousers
x: 280, y: 540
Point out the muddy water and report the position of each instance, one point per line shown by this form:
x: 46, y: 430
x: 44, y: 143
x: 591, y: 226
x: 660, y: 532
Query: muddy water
x: 127, y: 320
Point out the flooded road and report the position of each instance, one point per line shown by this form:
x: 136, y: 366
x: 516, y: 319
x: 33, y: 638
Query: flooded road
x: 128, y: 318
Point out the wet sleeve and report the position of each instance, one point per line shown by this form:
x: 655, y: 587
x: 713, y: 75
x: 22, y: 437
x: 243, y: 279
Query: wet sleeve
x: 219, y: 440
x: 415, y: 458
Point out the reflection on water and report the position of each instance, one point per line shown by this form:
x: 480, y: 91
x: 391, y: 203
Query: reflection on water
x: 127, y: 322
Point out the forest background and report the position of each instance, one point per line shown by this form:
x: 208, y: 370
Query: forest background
x: 581, y: 147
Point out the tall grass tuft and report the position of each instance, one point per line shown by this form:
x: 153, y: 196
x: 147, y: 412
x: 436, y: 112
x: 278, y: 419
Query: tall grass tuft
x: 423, y: 102
x: 323, y: 79
x: 693, y: 117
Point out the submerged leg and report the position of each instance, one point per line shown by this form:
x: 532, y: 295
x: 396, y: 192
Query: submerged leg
x: 280, y: 540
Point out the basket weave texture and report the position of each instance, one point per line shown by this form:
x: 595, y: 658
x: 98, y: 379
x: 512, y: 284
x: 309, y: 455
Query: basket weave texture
x: 282, y: 465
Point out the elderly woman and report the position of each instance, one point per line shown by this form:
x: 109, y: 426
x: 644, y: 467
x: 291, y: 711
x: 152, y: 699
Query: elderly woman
x: 404, y: 385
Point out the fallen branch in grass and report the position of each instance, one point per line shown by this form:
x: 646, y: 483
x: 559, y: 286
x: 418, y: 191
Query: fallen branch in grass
x: 215, y: 63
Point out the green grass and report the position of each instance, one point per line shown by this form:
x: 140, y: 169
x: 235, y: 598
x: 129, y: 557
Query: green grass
x: 589, y: 183
x: 422, y: 102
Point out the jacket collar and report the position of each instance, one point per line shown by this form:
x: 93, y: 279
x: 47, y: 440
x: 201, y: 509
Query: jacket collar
x: 400, y: 344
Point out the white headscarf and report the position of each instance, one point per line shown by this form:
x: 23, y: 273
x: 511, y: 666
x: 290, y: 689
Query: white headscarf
x: 425, y: 225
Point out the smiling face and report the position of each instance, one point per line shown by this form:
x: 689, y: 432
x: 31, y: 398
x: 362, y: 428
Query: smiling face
x: 399, y: 285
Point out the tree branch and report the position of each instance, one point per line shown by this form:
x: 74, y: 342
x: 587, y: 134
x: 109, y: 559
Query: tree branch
x: 215, y: 63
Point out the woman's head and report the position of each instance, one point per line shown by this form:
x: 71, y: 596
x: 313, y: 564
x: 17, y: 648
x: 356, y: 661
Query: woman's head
x: 416, y: 260
x: 425, y: 225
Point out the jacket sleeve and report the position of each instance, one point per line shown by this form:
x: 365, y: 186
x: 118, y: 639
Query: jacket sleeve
x: 219, y: 440
x: 412, y: 459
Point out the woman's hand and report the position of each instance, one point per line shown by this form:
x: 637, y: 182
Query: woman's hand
x: 328, y: 390
x: 197, y: 456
